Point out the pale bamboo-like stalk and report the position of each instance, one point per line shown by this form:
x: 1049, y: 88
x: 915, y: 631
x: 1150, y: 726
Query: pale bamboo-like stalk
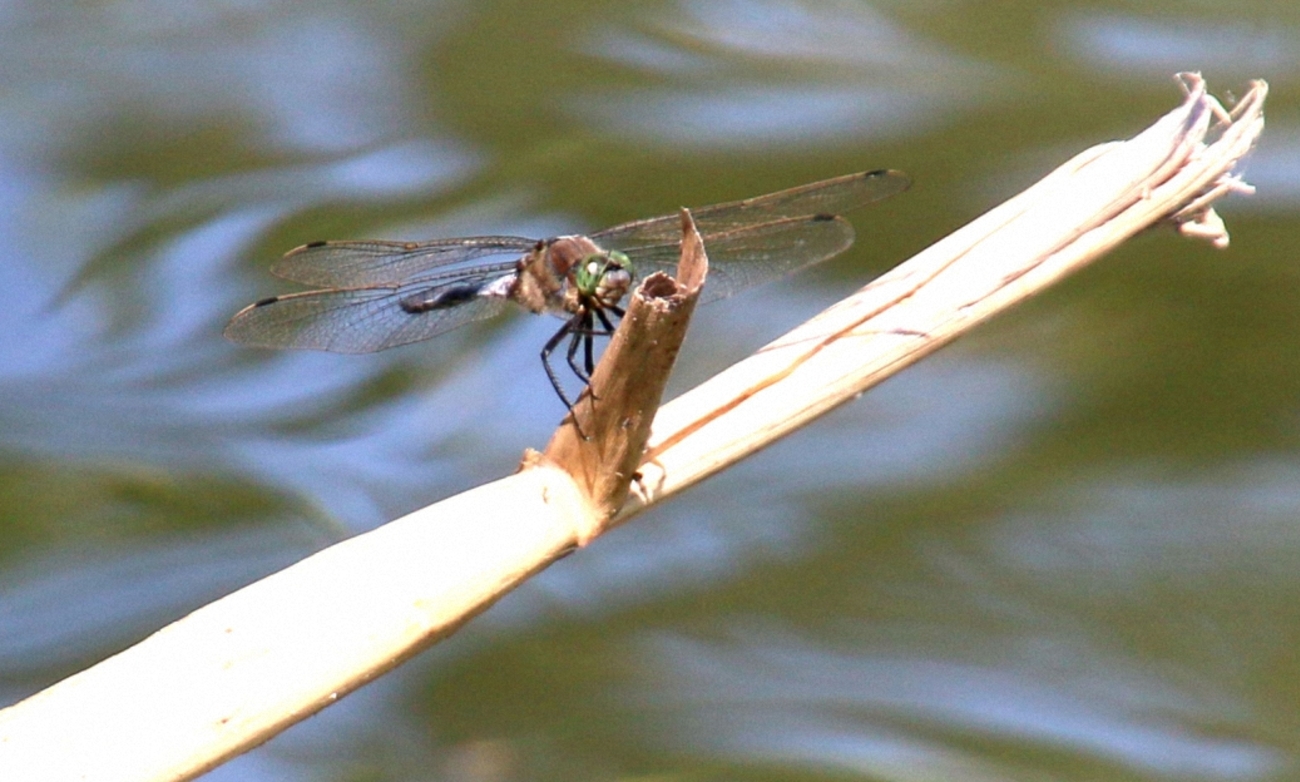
x: 234, y: 673
x: 1080, y: 211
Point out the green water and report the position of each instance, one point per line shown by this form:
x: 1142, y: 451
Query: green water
x: 1060, y: 549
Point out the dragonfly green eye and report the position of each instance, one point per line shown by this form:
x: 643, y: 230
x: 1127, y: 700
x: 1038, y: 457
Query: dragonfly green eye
x: 619, y: 260
x: 614, y: 280
x: 605, y: 276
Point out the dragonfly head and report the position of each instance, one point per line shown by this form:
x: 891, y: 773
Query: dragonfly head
x: 604, y: 277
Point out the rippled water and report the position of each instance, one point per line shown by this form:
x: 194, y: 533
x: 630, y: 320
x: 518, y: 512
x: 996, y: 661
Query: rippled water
x: 1065, y: 548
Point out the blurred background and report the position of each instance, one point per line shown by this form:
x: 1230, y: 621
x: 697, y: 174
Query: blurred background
x: 1067, y: 547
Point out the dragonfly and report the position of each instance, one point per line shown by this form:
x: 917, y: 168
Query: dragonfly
x: 374, y: 295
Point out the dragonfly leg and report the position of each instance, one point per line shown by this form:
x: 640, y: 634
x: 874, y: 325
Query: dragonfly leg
x: 588, y: 353
x: 580, y: 330
x: 579, y: 335
x: 572, y: 328
x: 587, y: 331
x: 607, y: 326
x: 566, y: 330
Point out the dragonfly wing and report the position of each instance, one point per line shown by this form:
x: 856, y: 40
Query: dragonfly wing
x: 359, y: 264
x: 750, y: 256
x: 828, y: 197
x: 355, y: 320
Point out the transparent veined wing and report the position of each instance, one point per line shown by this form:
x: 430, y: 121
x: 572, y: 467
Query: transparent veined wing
x: 369, y: 286
x: 828, y: 197
x: 357, y: 264
x: 754, y: 254
x: 360, y: 320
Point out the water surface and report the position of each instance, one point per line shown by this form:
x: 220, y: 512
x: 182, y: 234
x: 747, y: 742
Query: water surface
x: 1064, y: 548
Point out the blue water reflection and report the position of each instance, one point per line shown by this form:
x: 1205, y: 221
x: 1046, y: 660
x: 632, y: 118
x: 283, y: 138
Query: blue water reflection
x: 324, y: 79
x: 750, y: 72
x: 112, y: 594
x: 1274, y: 169
x: 1232, y: 527
x: 1067, y: 675
x: 758, y: 696
x: 1145, y: 46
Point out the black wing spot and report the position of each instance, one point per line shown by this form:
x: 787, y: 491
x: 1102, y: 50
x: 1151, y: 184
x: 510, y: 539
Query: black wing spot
x: 266, y: 301
x: 822, y: 217
x: 314, y: 245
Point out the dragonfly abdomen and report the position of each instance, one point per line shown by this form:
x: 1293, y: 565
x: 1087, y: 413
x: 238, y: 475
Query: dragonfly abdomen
x: 439, y: 298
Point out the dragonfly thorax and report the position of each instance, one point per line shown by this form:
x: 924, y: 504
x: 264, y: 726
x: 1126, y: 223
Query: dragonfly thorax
x: 569, y: 274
